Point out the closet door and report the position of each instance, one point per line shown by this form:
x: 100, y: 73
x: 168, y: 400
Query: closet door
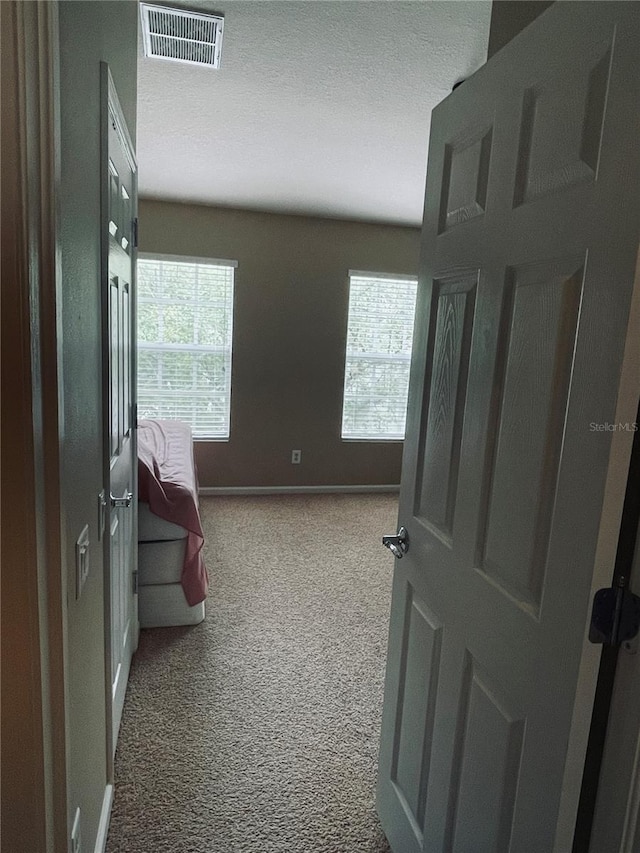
x: 119, y: 230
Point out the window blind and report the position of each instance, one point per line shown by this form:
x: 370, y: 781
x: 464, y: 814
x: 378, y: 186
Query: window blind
x: 378, y: 356
x: 185, y: 325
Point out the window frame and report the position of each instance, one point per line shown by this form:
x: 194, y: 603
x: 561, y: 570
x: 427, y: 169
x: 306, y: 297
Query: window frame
x: 191, y: 259
x: 380, y: 276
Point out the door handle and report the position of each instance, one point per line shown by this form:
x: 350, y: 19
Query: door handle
x: 124, y: 501
x: 398, y: 544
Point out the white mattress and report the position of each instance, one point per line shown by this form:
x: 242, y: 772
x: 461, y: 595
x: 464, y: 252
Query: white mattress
x: 164, y: 605
x: 160, y: 562
x: 151, y: 528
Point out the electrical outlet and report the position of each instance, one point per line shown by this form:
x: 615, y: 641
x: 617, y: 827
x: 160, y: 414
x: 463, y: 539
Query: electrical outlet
x: 76, y: 837
x: 82, y: 559
x: 296, y: 457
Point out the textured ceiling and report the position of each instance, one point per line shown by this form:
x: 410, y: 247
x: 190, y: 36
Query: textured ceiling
x: 318, y: 108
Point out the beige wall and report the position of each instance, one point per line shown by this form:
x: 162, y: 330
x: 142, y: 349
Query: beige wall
x: 90, y: 31
x: 290, y: 315
x: 509, y: 17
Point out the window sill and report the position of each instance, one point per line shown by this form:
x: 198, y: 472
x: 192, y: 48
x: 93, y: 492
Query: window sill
x: 350, y: 440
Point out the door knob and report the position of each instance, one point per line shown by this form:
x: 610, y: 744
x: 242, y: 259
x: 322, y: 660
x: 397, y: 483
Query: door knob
x: 398, y: 544
x: 124, y: 501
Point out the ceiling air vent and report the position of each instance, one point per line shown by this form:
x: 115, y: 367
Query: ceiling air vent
x: 182, y: 36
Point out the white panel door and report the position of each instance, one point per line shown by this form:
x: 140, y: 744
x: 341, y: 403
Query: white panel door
x: 532, y: 220
x: 119, y: 209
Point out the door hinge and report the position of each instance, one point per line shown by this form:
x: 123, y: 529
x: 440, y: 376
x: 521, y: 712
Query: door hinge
x: 134, y: 232
x: 102, y: 513
x: 615, y: 617
x: 135, y: 582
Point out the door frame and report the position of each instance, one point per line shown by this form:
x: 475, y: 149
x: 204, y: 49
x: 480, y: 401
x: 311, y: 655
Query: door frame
x: 614, y: 805
x: 606, y: 556
x: 110, y: 104
x: 34, y: 233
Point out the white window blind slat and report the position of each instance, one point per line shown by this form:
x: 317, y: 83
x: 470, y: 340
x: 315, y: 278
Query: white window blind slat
x: 378, y: 357
x: 185, y: 326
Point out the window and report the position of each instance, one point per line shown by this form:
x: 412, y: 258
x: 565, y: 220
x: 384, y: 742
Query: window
x: 185, y: 319
x: 379, y: 338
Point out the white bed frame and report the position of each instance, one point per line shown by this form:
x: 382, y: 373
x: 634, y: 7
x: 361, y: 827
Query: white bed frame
x: 161, y: 548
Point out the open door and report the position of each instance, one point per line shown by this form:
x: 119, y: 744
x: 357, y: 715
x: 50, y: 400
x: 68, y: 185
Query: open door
x: 120, y: 456
x: 518, y: 437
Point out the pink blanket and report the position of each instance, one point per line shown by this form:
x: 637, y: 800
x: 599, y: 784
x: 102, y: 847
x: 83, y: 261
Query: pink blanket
x: 167, y: 482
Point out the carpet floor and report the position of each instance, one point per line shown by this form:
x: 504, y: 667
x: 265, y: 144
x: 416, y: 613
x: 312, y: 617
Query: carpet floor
x: 257, y: 731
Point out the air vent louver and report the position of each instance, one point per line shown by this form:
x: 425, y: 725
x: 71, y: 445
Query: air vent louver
x: 182, y: 36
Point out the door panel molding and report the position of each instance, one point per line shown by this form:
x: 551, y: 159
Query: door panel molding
x: 544, y: 169
x: 465, y: 178
x: 542, y: 306
x: 454, y: 305
x: 487, y: 798
x: 416, y: 705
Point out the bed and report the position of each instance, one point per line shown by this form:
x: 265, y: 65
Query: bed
x: 172, y: 576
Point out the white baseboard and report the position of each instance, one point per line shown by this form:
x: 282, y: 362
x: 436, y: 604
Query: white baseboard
x: 294, y: 490
x: 105, y: 817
